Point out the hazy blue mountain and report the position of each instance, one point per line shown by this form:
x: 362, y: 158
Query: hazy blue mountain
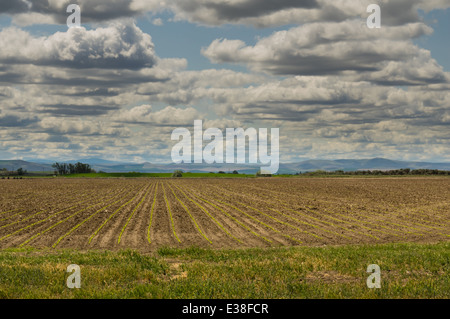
x: 96, y: 161
x: 13, y: 165
x: 285, y: 168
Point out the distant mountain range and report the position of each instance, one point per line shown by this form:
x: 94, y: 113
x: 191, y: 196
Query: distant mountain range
x: 285, y: 168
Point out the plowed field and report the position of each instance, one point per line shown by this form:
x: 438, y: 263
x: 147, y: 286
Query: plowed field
x: 146, y: 214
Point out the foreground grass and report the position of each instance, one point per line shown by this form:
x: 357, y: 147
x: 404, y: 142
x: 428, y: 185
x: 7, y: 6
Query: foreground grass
x: 407, y: 271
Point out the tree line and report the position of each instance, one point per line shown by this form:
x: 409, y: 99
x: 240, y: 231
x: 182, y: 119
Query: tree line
x: 66, y: 169
x: 402, y: 171
x: 20, y: 172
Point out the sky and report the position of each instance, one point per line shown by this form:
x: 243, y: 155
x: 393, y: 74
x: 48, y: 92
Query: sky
x: 117, y: 86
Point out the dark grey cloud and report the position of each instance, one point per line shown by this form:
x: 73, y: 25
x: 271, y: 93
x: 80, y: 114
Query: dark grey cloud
x: 234, y: 10
x: 92, y: 10
x: 278, y: 13
x: 260, y: 13
x: 53, y: 138
x: 72, y: 110
x: 95, y: 92
x: 13, y: 6
x: 16, y: 121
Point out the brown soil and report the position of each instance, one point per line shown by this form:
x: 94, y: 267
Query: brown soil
x: 222, y: 213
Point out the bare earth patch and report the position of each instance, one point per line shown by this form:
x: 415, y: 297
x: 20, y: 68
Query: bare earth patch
x: 149, y: 213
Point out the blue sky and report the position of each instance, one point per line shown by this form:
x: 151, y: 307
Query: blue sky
x: 438, y: 43
x: 117, y: 87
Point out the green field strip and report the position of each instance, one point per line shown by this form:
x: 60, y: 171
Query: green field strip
x: 190, y: 215
x: 235, y: 219
x: 111, y: 216
x: 85, y: 220
x: 132, y: 214
x: 151, y: 214
x: 60, y: 222
x: 206, y: 212
x: 258, y: 221
x: 170, y: 213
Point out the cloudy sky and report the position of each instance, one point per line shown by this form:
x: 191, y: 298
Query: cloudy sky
x: 135, y: 70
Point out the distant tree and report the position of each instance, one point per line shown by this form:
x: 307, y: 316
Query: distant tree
x: 177, y: 173
x: 259, y: 174
x: 235, y: 172
x: 220, y: 172
x: 81, y: 168
x: 78, y: 168
x: 21, y: 171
